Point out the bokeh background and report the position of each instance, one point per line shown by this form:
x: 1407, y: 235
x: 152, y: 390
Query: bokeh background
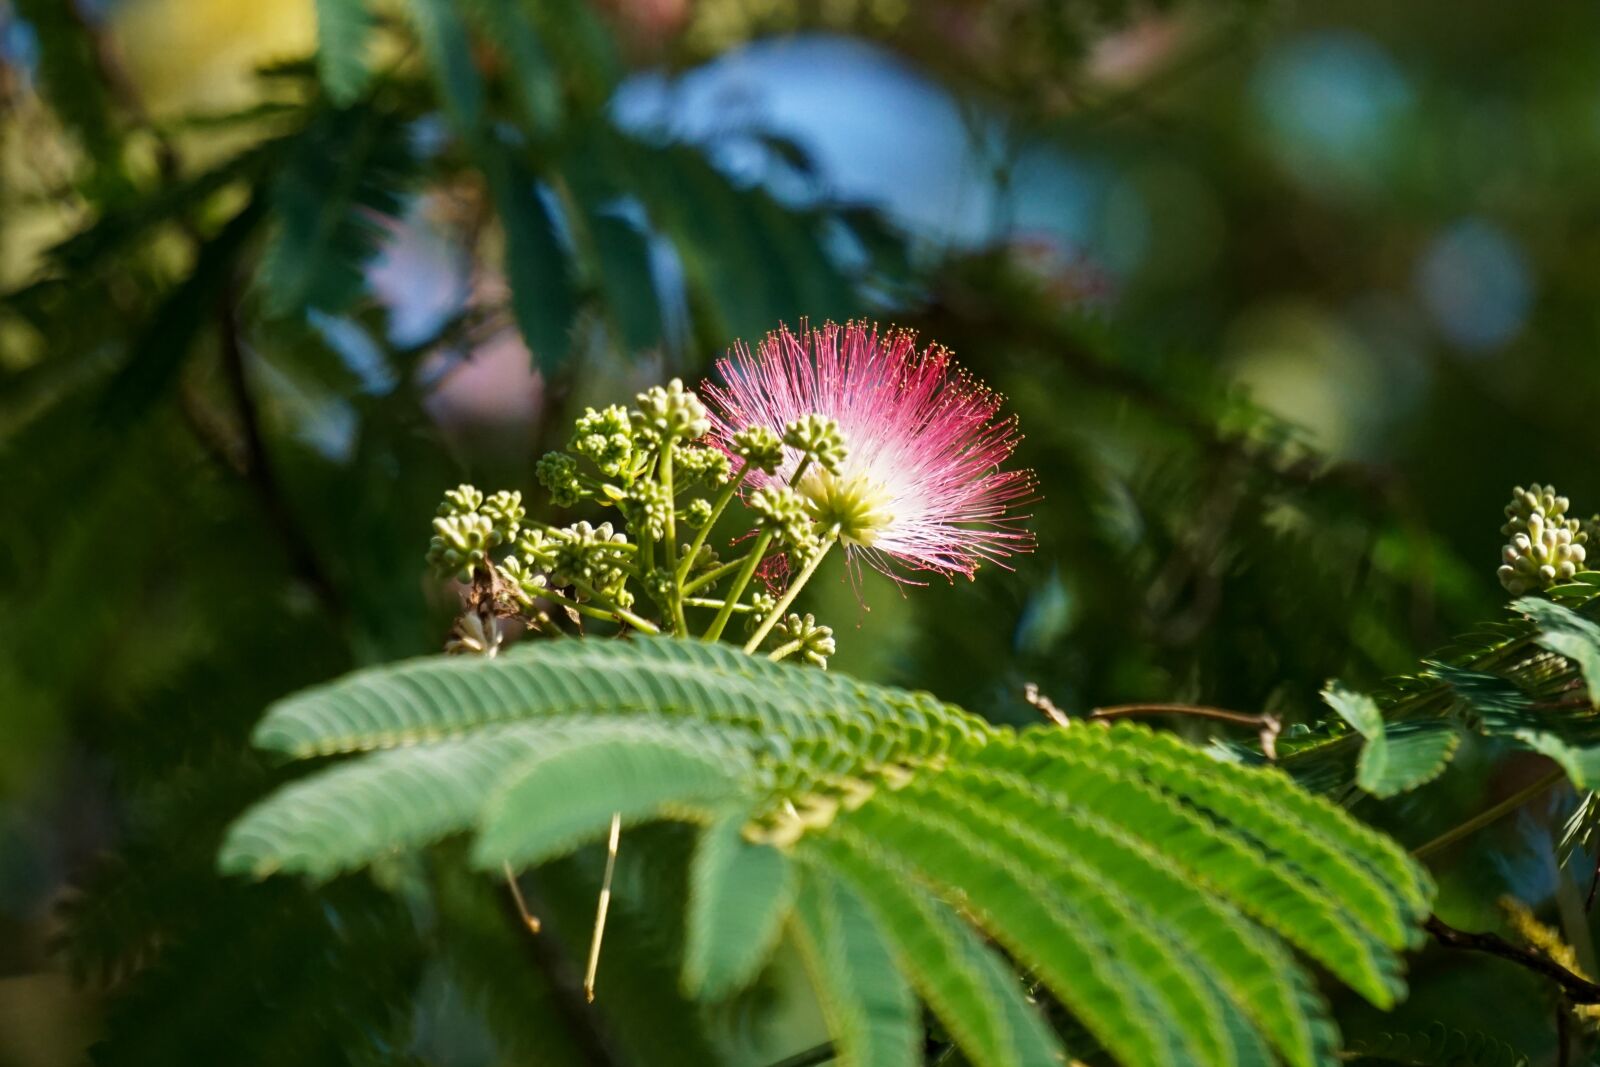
x: 1286, y: 298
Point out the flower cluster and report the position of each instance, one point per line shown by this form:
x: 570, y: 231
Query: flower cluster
x: 895, y: 452
x: 1544, y: 546
x: 838, y: 436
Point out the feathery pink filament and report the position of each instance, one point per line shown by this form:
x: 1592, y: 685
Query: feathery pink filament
x: 920, y: 430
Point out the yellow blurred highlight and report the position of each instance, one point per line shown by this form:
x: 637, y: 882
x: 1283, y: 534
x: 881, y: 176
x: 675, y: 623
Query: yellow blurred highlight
x: 186, y: 56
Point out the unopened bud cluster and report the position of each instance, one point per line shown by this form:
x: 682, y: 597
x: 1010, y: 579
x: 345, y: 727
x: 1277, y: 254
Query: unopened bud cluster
x: 466, y: 527
x: 812, y: 642
x: 1544, y: 546
x: 665, y: 487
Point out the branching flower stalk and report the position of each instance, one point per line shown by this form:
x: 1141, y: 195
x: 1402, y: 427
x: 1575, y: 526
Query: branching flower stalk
x: 843, y: 435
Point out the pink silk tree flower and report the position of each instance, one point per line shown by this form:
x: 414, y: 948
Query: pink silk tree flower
x: 920, y: 487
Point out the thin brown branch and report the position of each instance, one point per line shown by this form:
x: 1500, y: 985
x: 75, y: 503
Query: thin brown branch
x: 1269, y: 725
x: 1047, y: 707
x: 1490, y: 815
x: 259, y: 473
x: 1576, y: 988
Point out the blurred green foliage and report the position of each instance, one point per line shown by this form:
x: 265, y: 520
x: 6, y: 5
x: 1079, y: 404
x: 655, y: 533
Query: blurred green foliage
x: 1285, y: 301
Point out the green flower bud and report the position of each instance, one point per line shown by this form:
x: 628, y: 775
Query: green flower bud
x: 592, y: 555
x: 527, y: 582
x: 462, y: 500
x: 692, y: 464
x: 819, y: 438
x: 538, y: 548
x: 558, y: 472
x: 645, y: 506
x: 783, y: 511
x: 759, y: 447
x: 659, y: 585
x: 606, y: 438
x: 1538, y: 503
x: 1545, y: 546
x: 505, y: 510
x: 816, y: 642
x: 670, y: 413
x: 704, y: 560
x: 460, y: 543
x: 697, y: 513
x: 761, y: 605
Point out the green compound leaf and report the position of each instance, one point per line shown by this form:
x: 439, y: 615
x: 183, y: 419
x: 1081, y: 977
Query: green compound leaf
x: 870, y: 1009
x: 567, y: 793
x: 1501, y: 682
x: 739, y: 895
x: 1437, y: 1046
x: 344, y: 29
x: 1162, y: 896
x: 1581, y: 762
x: 1565, y: 632
x: 1396, y: 757
x: 974, y: 994
x: 538, y: 268
x: 346, y: 175
x: 1357, y: 709
x: 1405, y: 756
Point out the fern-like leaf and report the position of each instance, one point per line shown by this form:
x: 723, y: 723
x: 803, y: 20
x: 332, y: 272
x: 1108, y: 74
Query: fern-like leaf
x: 1437, y: 1046
x: 870, y: 1009
x: 1151, y: 889
x: 1566, y: 633
x: 343, y: 31
x: 1533, y: 681
x: 739, y: 896
x: 567, y: 792
x: 347, y: 175
x: 979, y: 1001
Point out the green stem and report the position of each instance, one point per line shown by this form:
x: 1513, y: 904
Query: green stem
x: 785, y: 650
x: 1484, y: 818
x: 669, y: 553
x: 647, y: 544
x: 680, y: 625
x: 746, y: 569
x: 716, y: 574
x: 703, y: 602
x: 717, y: 507
x: 590, y: 610
x: 794, y: 479
x: 619, y: 614
x: 789, y: 594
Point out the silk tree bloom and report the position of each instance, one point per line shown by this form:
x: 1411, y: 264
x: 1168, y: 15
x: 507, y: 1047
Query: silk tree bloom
x: 919, y: 485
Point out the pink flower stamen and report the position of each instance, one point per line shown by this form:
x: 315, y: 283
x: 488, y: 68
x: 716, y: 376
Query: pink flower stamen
x: 922, y: 434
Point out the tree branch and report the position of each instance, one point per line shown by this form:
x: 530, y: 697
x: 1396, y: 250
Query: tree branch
x: 1576, y: 988
x: 1269, y: 725
x: 258, y: 470
x: 1493, y: 814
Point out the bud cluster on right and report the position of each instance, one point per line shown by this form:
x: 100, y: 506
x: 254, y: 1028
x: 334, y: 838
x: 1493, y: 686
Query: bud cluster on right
x: 1544, y: 546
